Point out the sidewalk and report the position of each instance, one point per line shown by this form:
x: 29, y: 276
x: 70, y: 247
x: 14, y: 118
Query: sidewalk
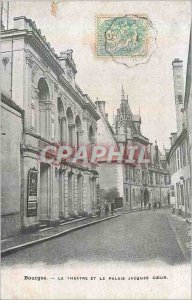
x: 182, y: 230
x: 23, y: 240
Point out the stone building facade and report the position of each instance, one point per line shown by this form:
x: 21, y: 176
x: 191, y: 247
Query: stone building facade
x: 11, y: 137
x: 143, y: 182
x: 180, y: 154
x: 110, y: 173
x: 56, y: 112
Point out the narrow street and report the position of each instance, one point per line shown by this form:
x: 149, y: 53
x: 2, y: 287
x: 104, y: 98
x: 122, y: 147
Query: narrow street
x: 135, y: 237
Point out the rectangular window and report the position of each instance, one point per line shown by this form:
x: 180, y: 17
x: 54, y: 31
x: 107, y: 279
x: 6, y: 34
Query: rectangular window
x: 178, y: 193
x: 188, y: 193
x: 178, y: 160
x: 143, y: 176
x: 184, y: 154
x: 182, y: 194
x: 126, y: 172
x: 151, y: 178
x: 156, y: 178
x: 180, y: 98
x: 181, y: 155
x: 127, y: 194
x: 172, y: 188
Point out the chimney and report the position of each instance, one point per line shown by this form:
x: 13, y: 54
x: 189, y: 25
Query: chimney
x: 22, y: 23
x: 101, y: 106
x: 64, y: 55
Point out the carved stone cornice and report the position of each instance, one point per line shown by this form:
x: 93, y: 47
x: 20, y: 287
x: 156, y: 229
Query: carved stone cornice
x: 35, y: 93
x: 29, y: 59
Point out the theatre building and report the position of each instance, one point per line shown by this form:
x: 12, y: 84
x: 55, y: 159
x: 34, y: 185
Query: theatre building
x: 54, y: 111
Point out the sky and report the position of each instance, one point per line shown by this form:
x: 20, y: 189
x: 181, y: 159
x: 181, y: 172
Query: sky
x: 149, y: 86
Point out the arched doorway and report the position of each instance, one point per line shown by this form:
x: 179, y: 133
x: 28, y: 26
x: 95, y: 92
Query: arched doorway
x: 146, y: 197
x: 45, y: 183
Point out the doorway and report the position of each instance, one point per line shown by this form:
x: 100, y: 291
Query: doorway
x: 146, y: 197
x: 44, y: 191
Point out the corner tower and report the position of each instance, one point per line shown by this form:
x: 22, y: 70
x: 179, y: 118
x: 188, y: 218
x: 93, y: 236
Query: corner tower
x: 179, y: 92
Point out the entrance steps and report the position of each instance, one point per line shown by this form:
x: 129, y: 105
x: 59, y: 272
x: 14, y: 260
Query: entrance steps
x: 44, y: 227
x: 71, y: 220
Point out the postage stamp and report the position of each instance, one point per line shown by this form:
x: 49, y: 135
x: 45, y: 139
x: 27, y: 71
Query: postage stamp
x: 122, y: 36
x: 129, y: 36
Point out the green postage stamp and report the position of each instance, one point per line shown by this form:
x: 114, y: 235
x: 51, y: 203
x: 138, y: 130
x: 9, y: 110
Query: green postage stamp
x: 129, y: 36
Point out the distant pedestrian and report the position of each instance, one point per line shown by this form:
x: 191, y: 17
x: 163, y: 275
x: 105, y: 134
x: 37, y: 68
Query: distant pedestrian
x: 159, y: 204
x: 112, y: 208
x: 99, y: 211
x: 149, y: 205
x: 106, y: 210
x: 154, y: 206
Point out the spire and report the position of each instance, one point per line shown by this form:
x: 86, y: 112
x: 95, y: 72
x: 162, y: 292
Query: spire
x: 122, y: 93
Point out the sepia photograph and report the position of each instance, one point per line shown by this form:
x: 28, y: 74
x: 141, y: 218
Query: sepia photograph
x: 96, y: 149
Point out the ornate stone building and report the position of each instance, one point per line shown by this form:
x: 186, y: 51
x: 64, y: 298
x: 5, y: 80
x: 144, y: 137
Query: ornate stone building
x: 56, y: 111
x: 143, y: 182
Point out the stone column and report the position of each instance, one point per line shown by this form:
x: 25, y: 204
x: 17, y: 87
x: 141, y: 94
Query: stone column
x: 83, y: 193
x: 65, y: 182
x: 86, y: 193
x: 28, y: 90
x: 61, y: 204
x: 63, y: 130
x: 54, y: 195
x: 75, y: 199
x: 71, y: 134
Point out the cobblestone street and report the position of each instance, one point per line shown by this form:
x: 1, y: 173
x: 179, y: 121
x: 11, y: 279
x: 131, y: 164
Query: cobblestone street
x: 135, y: 237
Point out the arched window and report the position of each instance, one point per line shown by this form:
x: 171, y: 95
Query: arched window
x: 91, y: 134
x: 91, y: 139
x: 44, y: 98
x: 70, y: 122
x: 61, y: 121
x: 78, y: 130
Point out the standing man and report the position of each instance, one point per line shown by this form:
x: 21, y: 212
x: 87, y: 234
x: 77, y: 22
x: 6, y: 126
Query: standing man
x: 112, y: 207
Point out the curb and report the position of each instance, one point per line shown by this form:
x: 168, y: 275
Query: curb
x: 17, y: 248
